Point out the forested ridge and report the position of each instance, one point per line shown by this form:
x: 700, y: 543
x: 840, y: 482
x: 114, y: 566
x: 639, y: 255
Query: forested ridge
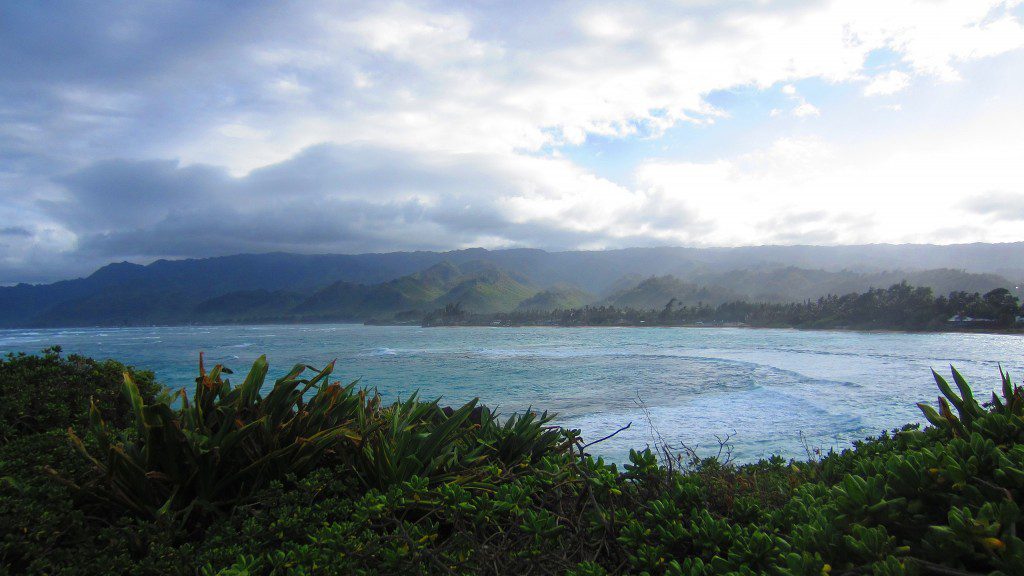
x: 898, y: 307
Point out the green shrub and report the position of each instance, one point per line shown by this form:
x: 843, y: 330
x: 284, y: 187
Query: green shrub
x: 221, y: 446
x: 525, y: 437
x: 35, y: 511
x: 41, y: 393
x: 225, y: 443
x: 45, y: 528
x: 417, y: 439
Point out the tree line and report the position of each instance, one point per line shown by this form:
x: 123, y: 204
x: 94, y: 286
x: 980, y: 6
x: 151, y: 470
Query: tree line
x: 898, y: 307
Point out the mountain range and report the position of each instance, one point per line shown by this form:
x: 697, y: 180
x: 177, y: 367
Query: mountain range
x: 295, y: 287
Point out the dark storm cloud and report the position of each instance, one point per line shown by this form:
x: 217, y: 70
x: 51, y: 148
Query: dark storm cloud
x: 327, y: 198
x: 123, y: 193
x: 293, y: 225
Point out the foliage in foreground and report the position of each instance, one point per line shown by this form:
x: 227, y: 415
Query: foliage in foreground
x: 422, y: 490
x: 41, y: 393
x: 221, y: 445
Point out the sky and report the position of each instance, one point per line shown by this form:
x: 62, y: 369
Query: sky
x: 143, y: 130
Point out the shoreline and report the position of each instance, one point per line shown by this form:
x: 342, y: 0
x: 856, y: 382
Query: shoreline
x: 1001, y: 332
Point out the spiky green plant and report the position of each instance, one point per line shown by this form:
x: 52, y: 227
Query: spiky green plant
x: 520, y: 438
x: 221, y: 446
x: 418, y: 439
x: 1012, y: 402
x: 968, y: 410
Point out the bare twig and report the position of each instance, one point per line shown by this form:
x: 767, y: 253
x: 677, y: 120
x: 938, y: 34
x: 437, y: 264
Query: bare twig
x: 724, y: 446
x: 626, y: 427
x: 660, y: 444
x: 813, y: 454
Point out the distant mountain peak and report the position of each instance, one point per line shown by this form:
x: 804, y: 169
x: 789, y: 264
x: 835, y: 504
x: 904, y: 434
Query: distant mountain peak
x: 117, y: 268
x: 443, y: 272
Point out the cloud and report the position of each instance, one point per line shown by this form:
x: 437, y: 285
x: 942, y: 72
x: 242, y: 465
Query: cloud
x: 887, y: 83
x: 997, y: 205
x: 189, y: 129
x: 802, y: 109
x: 807, y: 189
x: 164, y: 81
x: 353, y: 199
x: 806, y: 109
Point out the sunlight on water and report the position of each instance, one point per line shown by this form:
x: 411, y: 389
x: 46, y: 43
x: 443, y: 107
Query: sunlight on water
x: 766, y: 388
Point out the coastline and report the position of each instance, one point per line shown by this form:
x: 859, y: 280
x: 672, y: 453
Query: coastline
x: 356, y: 322
x: 1004, y: 331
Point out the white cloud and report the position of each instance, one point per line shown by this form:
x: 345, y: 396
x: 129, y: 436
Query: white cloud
x: 447, y: 80
x: 607, y: 25
x: 910, y: 189
x: 887, y: 83
x: 806, y: 109
x: 507, y: 87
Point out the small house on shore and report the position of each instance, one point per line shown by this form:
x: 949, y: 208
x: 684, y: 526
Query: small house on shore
x: 963, y: 320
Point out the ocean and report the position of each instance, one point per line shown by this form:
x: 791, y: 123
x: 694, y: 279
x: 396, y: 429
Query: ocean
x: 770, y: 391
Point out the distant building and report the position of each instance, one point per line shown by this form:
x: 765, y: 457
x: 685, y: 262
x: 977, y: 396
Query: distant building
x: 969, y: 320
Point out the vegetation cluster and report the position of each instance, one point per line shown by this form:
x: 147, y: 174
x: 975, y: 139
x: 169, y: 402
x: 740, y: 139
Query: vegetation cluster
x: 308, y: 476
x: 898, y: 307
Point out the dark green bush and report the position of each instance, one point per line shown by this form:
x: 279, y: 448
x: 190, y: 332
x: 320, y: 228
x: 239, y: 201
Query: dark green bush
x: 46, y: 528
x: 35, y: 512
x: 41, y: 393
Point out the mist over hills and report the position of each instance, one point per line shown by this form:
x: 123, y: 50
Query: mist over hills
x: 788, y: 284
x: 295, y: 287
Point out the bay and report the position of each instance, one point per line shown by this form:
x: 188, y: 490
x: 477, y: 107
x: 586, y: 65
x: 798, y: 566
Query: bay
x: 770, y: 391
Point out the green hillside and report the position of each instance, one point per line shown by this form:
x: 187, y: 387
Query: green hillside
x: 487, y: 292
x: 557, y: 298
x: 792, y: 284
x: 656, y: 291
x: 341, y: 299
x: 482, y: 288
x: 246, y: 305
x: 428, y: 285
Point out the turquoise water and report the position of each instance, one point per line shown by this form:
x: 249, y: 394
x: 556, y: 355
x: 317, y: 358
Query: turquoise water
x: 767, y: 388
